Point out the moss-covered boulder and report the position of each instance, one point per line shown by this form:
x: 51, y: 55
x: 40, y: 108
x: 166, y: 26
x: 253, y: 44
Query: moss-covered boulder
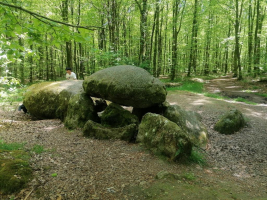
x: 15, y: 173
x: 49, y: 100
x: 80, y: 109
x: 126, y: 85
x: 231, y: 122
x: 95, y: 130
x: 163, y: 136
x: 190, y: 122
x: 115, y: 116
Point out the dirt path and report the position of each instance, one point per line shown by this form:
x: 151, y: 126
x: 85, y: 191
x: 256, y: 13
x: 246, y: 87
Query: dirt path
x: 94, y: 169
x: 231, y: 87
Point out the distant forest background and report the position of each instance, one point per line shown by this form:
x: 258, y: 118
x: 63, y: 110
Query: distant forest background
x: 39, y: 39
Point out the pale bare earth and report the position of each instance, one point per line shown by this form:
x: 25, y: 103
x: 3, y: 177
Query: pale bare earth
x: 94, y: 169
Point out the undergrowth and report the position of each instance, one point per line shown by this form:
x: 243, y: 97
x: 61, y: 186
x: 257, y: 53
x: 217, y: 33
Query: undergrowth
x: 11, y: 90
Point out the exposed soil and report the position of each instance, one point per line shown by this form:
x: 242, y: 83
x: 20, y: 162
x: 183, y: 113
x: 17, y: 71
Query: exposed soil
x: 102, y: 169
x: 230, y: 87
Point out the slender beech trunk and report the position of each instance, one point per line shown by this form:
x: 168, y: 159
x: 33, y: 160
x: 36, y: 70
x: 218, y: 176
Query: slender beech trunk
x: 155, y: 57
x: 65, y: 6
x: 257, y: 40
x: 237, y: 63
x: 143, y: 29
x: 193, y: 48
x: 250, y: 36
x: 176, y: 27
x: 21, y: 64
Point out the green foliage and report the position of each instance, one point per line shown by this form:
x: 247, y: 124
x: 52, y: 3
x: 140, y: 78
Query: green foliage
x: 11, y: 90
x: 197, y: 157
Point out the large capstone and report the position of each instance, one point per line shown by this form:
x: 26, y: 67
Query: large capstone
x: 80, y: 109
x: 96, y: 130
x: 230, y: 123
x: 163, y: 136
x: 190, y: 122
x: 126, y: 85
x: 115, y: 116
x: 49, y: 100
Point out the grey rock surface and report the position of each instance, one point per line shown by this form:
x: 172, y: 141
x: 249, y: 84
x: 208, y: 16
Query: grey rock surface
x: 126, y: 85
x: 190, y: 122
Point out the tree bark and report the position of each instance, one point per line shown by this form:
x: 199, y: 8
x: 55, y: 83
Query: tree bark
x: 193, y: 48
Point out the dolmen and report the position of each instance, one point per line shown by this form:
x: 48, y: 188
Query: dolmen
x: 136, y: 110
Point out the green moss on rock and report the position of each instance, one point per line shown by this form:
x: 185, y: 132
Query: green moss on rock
x: 162, y: 136
x: 80, y: 109
x: 49, y: 100
x: 95, y: 130
x: 231, y: 122
x: 115, y: 116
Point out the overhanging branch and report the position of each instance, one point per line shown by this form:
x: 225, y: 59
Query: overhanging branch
x: 52, y: 20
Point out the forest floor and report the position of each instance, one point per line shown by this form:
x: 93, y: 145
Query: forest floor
x: 110, y: 169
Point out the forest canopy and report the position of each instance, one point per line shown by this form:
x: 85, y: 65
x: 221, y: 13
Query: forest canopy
x: 39, y: 39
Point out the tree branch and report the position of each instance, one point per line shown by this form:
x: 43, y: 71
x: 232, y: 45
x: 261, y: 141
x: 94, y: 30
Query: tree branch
x: 52, y: 20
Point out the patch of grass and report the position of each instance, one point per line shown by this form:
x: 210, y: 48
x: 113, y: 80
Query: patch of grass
x: 240, y: 99
x: 11, y: 146
x: 167, y: 80
x: 197, y: 157
x: 192, y: 87
x: 54, y: 175
x: 38, y: 149
x: 189, y: 86
x: 189, y: 176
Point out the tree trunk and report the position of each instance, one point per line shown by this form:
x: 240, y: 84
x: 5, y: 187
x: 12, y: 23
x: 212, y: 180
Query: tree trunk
x: 237, y: 63
x: 143, y: 30
x: 175, y: 31
x: 65, y: 6
x: 257, y: 43
x: 21, y: 65
x: 155, y: 57
x: 193, y: 48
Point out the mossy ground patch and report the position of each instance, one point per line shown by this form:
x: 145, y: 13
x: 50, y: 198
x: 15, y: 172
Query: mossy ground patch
x: 15, y: 171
